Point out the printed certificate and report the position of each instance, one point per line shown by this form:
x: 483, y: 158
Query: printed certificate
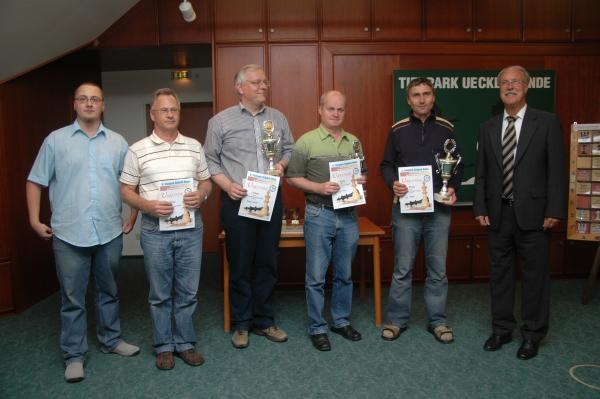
x: 345, y: 173
x: 262, y: 193
x: 419, y: 180
x: 173, y: 192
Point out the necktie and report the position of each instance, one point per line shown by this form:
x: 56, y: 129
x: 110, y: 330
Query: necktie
x: 509, y: 142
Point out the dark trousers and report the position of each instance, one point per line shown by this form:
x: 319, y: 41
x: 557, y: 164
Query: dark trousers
x: 532, y: 247
x: 252, y: 247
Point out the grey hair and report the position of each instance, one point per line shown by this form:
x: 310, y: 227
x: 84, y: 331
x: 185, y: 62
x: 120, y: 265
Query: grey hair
x: 240, y: 76
x: 518, y: 68
x: 166, y: 92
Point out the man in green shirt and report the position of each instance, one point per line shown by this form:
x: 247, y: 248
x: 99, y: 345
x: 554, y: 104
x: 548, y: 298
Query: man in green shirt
x: 330, y: 235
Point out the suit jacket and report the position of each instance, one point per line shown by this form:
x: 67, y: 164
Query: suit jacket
x: 539, y: 177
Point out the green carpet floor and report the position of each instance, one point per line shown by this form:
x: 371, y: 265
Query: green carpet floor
x: 414, y: 366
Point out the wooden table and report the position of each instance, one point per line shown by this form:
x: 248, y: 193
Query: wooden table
x: 293, y: 237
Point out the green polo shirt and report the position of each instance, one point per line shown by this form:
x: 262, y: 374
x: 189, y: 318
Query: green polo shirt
x: 312, y: 154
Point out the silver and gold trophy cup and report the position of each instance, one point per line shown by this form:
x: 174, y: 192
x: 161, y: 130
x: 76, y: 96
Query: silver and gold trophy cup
x: 446, y: 168
x: 270, y: 145
x: 358, y: 153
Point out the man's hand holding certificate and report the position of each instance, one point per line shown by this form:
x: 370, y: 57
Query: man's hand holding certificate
x: 261, y: 194
x: 173, y: 191
x: 347, y: 175
x: 418, y: 180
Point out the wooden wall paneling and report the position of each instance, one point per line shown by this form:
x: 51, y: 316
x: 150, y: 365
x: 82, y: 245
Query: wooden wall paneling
x: 294, y: 75
x: 227, y: 61
x: 586, y: 14
x: 367, y: 83
x: 239, y: 20
x: 6, y: 295
x: 346, y: 20
x: 396, y: 19
x: 448, y: 20
x: 292, y: 20
x: 546, y: 20
x: 173, y: 29
x: 492, y: 24
x: 31, y: 260
x: 137, y: 28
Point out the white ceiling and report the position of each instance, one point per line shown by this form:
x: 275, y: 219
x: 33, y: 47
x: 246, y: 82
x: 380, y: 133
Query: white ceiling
x: 34, y: 32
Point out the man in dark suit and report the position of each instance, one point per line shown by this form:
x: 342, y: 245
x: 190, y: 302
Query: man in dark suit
x: 520, y: 194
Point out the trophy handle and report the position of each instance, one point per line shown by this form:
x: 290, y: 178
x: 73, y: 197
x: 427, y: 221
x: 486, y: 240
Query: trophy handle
x: 437, y: 162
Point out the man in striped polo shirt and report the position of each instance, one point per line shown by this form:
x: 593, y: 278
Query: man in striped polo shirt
x: 172, y: 257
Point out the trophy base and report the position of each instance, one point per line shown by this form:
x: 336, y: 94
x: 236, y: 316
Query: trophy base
x: 442, y: 198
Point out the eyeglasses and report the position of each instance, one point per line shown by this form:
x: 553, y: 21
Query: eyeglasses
x: 514, y: 82
x: 84, y: 100
x: 257, y: 83
x: 166, y: 111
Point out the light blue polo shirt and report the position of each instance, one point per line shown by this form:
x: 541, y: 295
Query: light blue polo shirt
x: 82, y: 174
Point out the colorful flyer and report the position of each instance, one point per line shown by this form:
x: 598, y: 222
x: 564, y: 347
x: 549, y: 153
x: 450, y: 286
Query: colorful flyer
x: 345, y: 173
x: 262, y: 193
x: 419, y: 180
x: 173, y: 192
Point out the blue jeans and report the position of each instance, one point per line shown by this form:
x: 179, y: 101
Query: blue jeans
x: 73, y: 266
x: 329, y: 236
x: 407, y: 232
x: 172, y: 260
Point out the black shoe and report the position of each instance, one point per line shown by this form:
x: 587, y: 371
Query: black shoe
x: 321, y: 342
x: 347, y: 332
x: 495, y: 342
x: 527, y: 350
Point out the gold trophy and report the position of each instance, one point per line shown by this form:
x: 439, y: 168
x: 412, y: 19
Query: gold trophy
x: 446, y: 168
x: 270, y: 145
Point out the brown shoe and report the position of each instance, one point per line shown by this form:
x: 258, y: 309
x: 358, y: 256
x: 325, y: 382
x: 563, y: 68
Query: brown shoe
x: 191, y: 357
x: 272, y: 333
x: 239, y: 339
x: 165, y: 361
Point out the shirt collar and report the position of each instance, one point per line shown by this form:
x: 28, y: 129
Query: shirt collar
x: 519, y: 115
x: 77, y: 128
x: 430, y: 117
x: 157, y: 140
x: 323, y: 133
x: 260, y: 110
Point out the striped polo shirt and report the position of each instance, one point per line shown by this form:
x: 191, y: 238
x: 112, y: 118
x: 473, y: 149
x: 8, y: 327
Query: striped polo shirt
x: 152, y: 160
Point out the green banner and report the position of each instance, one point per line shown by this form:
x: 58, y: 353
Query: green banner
x: 468, y: 98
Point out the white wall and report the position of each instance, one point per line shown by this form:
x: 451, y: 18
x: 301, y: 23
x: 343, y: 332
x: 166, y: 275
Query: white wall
x: 126, y: 94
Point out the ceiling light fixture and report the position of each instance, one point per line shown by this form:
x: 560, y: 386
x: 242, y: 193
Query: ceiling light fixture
x: 187, y: 11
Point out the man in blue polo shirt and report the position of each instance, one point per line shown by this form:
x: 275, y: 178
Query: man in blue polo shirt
x: 81, y: 164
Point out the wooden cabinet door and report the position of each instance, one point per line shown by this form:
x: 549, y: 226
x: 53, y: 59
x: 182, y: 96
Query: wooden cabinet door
x: 586, y: 17
x: 172, y: 28
x: 448, y: 20
x: 346, y: 19
x: 557, y: 254
x: 546, y: 20
x: 458, y: 259
x: 494, y: 22
x: 480, y: 267
x: 396, y: 19
x: 292, y: 20
x: 239, y: 20
x: 228, y: 61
